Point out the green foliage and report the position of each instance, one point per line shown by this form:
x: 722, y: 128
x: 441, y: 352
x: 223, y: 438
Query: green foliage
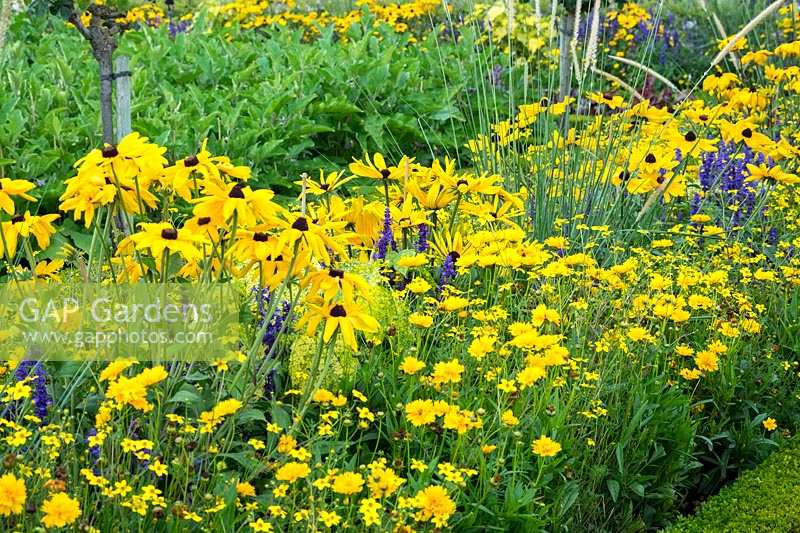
x: 763, y: 500
x: 271, y: 101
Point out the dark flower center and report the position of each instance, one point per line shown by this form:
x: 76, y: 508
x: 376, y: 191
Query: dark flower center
x: 624, y: 175
x: 110, y: 151
x: 202, y: 221
x: 335, y: 273
x: 325, y: 186
x: 703, y: 117
x: 454, y: 256
x: 169, y: 234
x: 691, y: 137
x: 338, y: 311
x: 260, y: 237
x: 459, y: 183
x: 650, y: 159
x: 17, y: 219
x: 301, y: 224
x: 660, y: 179
x: 747, y: 133
x: 191, y: 161
x: 385, y: 173
x: 237, y: 191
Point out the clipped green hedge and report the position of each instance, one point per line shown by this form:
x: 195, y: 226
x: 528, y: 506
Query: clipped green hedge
x: 764, y: 499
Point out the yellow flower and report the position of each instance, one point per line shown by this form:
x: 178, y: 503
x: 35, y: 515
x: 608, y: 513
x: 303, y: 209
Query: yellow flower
x: 291, y: 472
x: 419, y: 286
x: 770, y: 424
x: 435, y: 505
x: 411, y: 365
x: 345, y: 316
x: 508, y: 418
x: 245, y: 489
x: 9, y: 188
x: 12, y: 495
x: 260, y: 526
x: 330, y: 518
x: 133, y: 391
x: 211, y: 419
x: 481, y: 346
x: 348, y: 483
x: 706, y: 360
x: 420, y: 412
x: 161, y: 237
x: 420, y: 320
x: 60, y: 510
x: 447, y: 372
x: 368, y: 509
x: 545, y: 447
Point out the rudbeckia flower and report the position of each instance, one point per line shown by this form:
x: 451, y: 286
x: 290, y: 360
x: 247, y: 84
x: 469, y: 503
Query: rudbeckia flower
x: 10, y: 188
x: 162, y: 236
x: 343, y: 316
x: 40, y: 227
x: 327, y: 183
x: 222, y: 201
x: 377, y: 168
x: 299, y: 228
x: 774, y: 173
x: 331, y: 281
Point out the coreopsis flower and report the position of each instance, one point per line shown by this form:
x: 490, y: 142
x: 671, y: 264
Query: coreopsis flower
x: 133, y: 391
x: 60, y: 510
x: 368, y: 509
x: 162, y: 236
x: 348, y: 483
x: 12, y: 495
x: 411, y: 365
x: 213, y: 418
x: 706, y: 361
x: 14, y: 188
x: 420, y: 412
x: 291, y: 472
x: 770, y: 424
x: 343, y: 316
x: 260, y: 526
x: 545, y: 447
x: 330, y: 518
x: 447, y: 372
x: 420, y: 320
x: 435, y: 505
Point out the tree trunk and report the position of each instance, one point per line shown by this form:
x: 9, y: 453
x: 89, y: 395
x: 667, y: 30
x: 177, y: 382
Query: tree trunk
x: 106, y: 102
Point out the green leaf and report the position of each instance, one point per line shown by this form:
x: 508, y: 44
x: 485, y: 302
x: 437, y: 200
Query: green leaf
x: 613, y: 489
x: 185, y: 396
x: 251, y: 415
